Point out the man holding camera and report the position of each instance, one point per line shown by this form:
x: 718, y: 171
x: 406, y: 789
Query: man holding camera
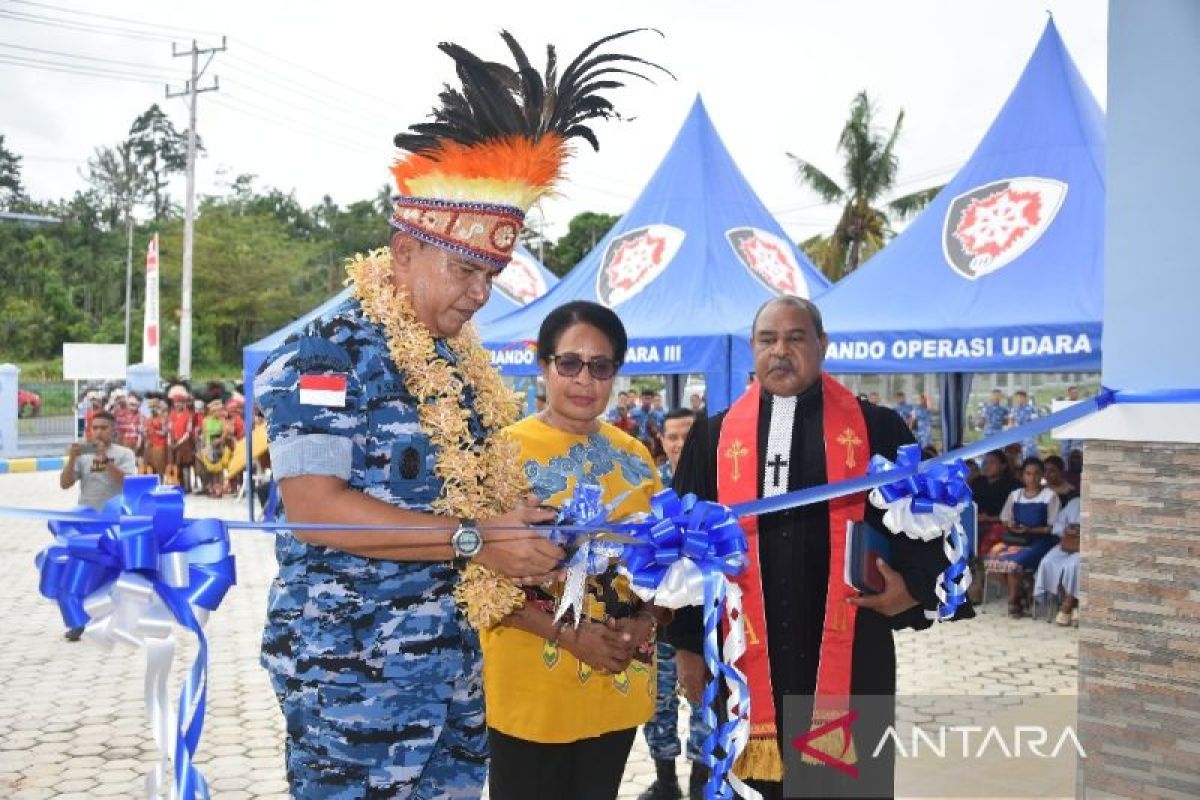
x: 99, y: 466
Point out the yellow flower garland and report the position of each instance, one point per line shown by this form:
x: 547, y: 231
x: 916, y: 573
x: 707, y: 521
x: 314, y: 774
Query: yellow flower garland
x: 479, y: 480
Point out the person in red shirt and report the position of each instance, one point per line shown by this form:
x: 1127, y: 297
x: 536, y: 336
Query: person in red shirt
x: 181, y: 441
x: 156, y: 438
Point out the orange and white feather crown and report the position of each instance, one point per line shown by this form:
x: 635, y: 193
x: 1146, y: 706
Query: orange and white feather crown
x: 498, y: 144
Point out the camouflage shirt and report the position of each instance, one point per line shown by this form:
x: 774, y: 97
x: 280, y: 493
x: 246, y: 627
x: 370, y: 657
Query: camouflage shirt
x: 336, y: 405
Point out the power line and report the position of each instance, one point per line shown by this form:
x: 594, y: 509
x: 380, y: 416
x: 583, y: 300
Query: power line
x: 92, y: 14
x: 19, y: 61
x: 146, y: 29
x: 60, y: 53
x: 54, y: 22
x: 374, y: 98
x: 289, y: 124
x: 350, y: 119
x: 257, y: 70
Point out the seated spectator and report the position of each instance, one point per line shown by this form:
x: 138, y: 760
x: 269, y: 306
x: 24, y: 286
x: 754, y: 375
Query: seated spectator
x: 973, y: 471
x: 1054, y: 480
x: 1059, y: 570
x: 1073, y: 474
x: 991, y: 491
x: 1028, y: 515
x: 1015, y: 460
x: 213, y: 452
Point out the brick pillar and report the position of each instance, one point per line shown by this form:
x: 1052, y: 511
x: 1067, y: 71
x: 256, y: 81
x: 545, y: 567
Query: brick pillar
x: 1139, y: 632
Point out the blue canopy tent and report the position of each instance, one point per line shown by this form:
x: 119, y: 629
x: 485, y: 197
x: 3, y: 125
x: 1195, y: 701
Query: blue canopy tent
x: 522, y: 281
x: 689, y: 263
x: 1003, y: 271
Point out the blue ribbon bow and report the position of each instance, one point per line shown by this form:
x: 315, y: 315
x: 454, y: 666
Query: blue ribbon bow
x: 141, y: 538
x: 684, y: 527
x: 939, y: 483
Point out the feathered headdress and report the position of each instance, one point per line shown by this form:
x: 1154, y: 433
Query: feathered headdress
x: 498, y: 144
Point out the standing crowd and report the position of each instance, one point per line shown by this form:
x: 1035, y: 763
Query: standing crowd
x: 186, y: 437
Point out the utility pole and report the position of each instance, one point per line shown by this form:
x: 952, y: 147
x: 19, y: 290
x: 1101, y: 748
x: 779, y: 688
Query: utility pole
x: 128, y: 266
x: 191, y: 89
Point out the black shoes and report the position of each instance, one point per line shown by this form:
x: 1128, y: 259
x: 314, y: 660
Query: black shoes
x: 666, y: 784
x: 73, y: 634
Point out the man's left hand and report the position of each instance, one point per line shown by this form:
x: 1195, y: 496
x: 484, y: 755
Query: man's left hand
x: 893, y: 600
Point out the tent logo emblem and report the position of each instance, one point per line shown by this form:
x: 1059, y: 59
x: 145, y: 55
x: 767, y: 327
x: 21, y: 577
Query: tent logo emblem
x: 633, y: 260
x: 769, y: 259
x: 992, y: 225
x: 521, y: 281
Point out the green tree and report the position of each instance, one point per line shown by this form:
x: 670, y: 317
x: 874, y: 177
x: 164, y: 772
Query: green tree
x: 114, y: 174
x: 161, y: 151
x: 246, y: 281
x: 583, y: 233
x: 11, y: 189
x: 869, y: 168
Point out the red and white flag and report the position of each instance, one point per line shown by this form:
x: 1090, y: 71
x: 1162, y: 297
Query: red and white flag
x: 150, y: 331
x: 323, y: 390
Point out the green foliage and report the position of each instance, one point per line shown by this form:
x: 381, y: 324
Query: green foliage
x: 646, y: 383
x: 869, y: 169
x: 260, y: 259
x: 583, y: 233
x: 161, y: 151
x: 11, y: 189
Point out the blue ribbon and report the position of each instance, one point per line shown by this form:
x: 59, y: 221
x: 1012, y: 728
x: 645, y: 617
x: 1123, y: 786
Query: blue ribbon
x: 709, y: 535
x: 132, y: 534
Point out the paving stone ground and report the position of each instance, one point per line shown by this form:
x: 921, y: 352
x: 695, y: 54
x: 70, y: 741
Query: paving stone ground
x: 72, y: 720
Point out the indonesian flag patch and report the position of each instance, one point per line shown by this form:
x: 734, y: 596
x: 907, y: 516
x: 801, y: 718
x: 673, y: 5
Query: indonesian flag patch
x: 323, y: 390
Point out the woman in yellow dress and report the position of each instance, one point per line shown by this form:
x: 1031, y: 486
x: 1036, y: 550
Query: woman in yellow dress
x: 564, y: 702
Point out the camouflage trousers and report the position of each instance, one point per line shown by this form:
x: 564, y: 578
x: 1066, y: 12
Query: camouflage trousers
x: 662, y: 731
x: 371, y: 740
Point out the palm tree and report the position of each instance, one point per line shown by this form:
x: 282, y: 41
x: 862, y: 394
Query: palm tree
x: 869, y: 168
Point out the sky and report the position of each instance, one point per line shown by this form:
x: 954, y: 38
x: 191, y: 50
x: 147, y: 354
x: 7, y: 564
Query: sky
x: 311, y: 93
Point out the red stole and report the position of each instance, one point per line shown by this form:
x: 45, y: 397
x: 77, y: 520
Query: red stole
x: 846, y: 456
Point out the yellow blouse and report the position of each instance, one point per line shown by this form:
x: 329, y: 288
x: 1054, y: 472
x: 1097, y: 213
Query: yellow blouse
x: 538, y: 691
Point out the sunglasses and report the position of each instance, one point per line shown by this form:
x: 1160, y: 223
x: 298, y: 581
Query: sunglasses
x: 568, y: 365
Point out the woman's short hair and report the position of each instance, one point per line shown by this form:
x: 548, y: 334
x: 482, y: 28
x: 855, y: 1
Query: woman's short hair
x: 599, y: 317
x: 1034, y: 461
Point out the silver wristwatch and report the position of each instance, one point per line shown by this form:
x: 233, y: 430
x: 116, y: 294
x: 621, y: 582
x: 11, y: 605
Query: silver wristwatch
x: 467, y: 541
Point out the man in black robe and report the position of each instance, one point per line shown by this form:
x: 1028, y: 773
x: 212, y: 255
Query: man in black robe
x: 789, y: 343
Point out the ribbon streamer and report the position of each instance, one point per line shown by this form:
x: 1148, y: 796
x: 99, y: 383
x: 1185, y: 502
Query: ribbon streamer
x: 586, y: 515
x: 128, y: 574
x: 927, y: 505
x: 683, y: 554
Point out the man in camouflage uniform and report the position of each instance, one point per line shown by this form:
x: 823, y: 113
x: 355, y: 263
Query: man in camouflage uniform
x: 995, y: 414
x: 377, y: 673
x: 1022, y: 413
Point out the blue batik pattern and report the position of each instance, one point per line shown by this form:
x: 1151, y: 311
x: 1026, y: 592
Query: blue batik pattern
x: 586, y: 461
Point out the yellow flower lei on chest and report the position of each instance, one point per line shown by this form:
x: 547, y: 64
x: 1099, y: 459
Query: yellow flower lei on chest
x: 479, y: 479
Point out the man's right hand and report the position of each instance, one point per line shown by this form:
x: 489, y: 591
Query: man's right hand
x: 598, y: 646
x: 692, y: 675
x: 75, y: 450
x: 512, y: 548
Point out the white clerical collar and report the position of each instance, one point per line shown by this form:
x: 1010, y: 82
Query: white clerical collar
x: 779, y: 446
